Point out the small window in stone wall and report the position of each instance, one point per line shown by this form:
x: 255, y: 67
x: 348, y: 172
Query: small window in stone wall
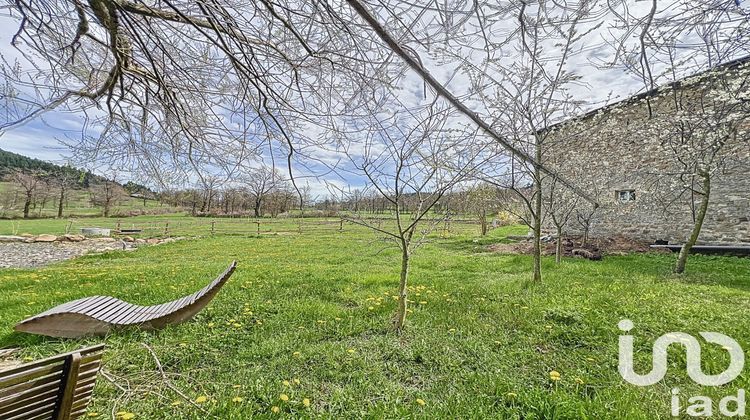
x: 625, y: 196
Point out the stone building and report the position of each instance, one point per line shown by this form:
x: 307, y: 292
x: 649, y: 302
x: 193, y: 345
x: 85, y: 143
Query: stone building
x: 640, y: 157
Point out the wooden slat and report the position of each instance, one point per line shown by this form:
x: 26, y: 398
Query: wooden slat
x: 102, y: 309
x: 30, y: 390
x: 45, y: 394
x: 89, y: 302
x: 78, y: 413
x: 41, y: 416
x: 34, y: 373
x: 57, y: 359
x: 71, y: 379
x: 32, y: 409
x: 15, y: 389
x: 123, y: 314
x: 52, y: 361
x: 82, y: 403
x: 113, y: 311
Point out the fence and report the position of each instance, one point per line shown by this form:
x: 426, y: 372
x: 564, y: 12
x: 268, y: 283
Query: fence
x: 163, y: 226
x: 265, y: 226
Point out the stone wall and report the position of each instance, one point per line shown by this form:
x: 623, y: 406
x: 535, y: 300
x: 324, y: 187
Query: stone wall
x: 621, y: 147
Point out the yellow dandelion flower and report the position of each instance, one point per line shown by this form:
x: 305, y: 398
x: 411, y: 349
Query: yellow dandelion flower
x: 285, y: 383
x: 579, y: 381
x: 296, y: 381
x: 92, y: 414
x: 175, y: 403
x: 554, y: 375
x: 370, y: 308
x: 350, y: 351
x: 423, y: 302
x: 236, y: 325
x: 452, y: 330
x: 306, y: 402
x: 284, y: 397
x: 236, y: 386
x: 420, y: 401
x: 237, y: 399
x: 275, y: 409
x: 201, y: 399
x: 211, y: 325
x: 296, y: 353
x: 511, y: 395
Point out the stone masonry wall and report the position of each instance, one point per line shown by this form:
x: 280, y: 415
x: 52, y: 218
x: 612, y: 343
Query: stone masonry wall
x: 612, y: 150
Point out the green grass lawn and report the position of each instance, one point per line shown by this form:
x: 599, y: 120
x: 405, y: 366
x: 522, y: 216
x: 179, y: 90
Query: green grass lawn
x: 306, y: 317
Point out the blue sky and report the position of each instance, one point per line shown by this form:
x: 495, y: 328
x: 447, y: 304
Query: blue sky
x: 40, y: 138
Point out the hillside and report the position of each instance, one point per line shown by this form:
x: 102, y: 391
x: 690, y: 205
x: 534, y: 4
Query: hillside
x: 10, y: 161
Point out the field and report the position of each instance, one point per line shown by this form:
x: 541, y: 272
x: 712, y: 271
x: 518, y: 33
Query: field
x: 305, y: 319
x: 78, y: 204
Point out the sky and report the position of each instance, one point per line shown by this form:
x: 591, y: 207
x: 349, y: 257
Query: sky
x: 40, y: 137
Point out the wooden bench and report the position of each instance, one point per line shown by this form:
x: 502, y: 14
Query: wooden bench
x: 128, y: 231
x: 58, y: 387
x: 97, y: 315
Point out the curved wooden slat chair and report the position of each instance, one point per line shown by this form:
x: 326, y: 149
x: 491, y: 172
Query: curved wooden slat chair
x: 97, y: 315
x: 59, y: 387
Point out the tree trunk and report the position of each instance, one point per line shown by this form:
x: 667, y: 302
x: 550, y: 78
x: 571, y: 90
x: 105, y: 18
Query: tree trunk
x: 27, y: 206
x: 257, y: 208
x: 400, y: 317
x: 60, y: 203
x: 700, y: 216
x: 559, y: 247
x: 537, y: 217
x: 483, y: 221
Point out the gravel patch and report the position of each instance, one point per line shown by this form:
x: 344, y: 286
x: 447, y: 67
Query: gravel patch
x: 39, y: 254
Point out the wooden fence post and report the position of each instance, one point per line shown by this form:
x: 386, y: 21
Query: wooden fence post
x: 213, y: 227
x: 117, y: 227
x: 258, y: 223
x: 341, y: 225
x: 166, y: 228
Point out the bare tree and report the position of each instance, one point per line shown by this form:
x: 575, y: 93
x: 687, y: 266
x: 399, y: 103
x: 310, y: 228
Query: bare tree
x: 560, y: 206
x: 29, y: 182
x: 261, y: 182
x: 529, y: 94
x: 106, y: 194
x: 411, y: 160
x: 64, y: 180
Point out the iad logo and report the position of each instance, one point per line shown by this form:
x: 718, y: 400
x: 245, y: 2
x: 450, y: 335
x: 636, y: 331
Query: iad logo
x: 699, y: 405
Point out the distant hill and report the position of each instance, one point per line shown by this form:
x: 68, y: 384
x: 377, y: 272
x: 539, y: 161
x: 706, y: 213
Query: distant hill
x: 10, y: 161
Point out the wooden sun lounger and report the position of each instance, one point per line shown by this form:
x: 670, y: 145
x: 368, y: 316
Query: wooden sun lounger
x: 97, y: 315
x: 58, y: 387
